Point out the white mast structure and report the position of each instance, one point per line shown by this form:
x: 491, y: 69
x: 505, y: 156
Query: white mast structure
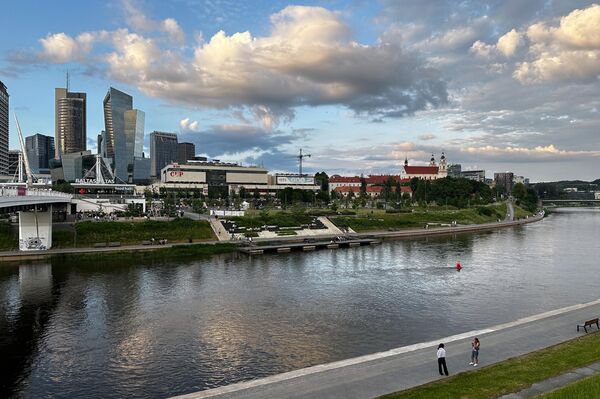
x: 23, y: 156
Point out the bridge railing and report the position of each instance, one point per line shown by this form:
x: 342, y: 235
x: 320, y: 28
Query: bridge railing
x: 29, y: 192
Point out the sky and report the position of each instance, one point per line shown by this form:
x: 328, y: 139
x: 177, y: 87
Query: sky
x: 500, y: 85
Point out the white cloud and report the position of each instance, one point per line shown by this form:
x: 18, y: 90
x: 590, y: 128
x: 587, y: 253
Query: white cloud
x: 567, y: 52
x: 308, y: 58
x: 186, y: 126
x: 60, y: 47
x: 509, y: 42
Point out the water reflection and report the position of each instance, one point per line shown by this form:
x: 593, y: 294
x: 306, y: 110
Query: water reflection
x: 161, y: 328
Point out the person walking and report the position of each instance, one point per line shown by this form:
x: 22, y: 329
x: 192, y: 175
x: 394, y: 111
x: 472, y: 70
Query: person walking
x: 441, y: 356
x: 475, y: 352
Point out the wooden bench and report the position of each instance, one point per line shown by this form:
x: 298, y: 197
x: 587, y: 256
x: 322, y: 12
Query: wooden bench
x: 114, y: 244
x: 589, y: 323
x: 146, y: 242
x: 100, y: 245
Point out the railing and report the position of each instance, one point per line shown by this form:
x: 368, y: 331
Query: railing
x: 32, y: 192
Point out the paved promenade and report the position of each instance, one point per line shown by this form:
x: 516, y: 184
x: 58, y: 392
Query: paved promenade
x: 373, y: 375
x: 9, y: 256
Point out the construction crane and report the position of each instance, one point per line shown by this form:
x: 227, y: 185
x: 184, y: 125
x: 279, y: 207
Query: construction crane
x: 300, y: 157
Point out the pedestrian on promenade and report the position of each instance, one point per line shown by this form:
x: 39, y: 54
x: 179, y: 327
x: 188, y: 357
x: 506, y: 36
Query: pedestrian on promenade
x: 441, y: 356
x: 475, y: 352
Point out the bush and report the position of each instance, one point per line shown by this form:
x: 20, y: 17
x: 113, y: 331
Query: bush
x: 484, y: 211
x: 398, y: 211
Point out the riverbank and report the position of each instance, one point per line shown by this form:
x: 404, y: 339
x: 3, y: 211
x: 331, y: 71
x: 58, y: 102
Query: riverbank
x: 183, y: 249
x: 403, y: 368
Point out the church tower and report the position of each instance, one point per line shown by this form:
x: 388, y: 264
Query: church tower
x: 432, y: 161
x: 443, y: 171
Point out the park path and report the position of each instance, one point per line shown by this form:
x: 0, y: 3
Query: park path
x: 370, y: 376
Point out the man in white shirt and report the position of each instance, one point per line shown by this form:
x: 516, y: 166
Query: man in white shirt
x: 441, y: 357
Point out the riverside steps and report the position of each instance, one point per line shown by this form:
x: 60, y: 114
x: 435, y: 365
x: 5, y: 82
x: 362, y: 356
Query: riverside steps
x: 370, y: 376
x: 308, y: 246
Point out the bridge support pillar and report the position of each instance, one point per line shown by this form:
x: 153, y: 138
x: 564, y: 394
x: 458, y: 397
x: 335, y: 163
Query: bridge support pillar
x: 35, y: 230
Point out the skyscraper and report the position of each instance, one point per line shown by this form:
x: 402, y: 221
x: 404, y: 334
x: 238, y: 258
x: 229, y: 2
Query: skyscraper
x: 185, y: 152
x: 123, y: 138
x: 163, y: 150
x: 69, y: 122
x: 40, y: 150
x: 3, y: 129
x: 13, y: 162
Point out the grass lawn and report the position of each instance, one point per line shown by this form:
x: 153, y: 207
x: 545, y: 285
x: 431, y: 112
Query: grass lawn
x: 378, y: 220
x: 511, y: 375
x: 272, y: 218
x: 89, y: 233
x: 582, y: 389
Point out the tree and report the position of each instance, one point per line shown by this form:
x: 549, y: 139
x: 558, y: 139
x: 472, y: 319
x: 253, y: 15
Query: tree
x: 519, y: 191
x: 322, y: 180
x: 363, y: 186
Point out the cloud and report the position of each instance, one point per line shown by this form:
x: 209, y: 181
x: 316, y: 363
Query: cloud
x: 232, y: 139
x: 567, y: 52
x: 140, y: 22
x: 307, y: 59
x: 509, y: 42
x: 61, y: 48
x: 186, y: 126
x: 427, y: 137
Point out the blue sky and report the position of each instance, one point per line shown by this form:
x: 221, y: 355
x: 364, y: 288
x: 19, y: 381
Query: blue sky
x: 499, y: 85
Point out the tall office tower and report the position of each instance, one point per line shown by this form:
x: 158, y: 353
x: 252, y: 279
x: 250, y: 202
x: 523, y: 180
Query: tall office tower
x: 40, y: 150
x: 123, y: 138
x: 13, y: 162
x: 163, y: 151
x: 3, y: 129
x: 69, y: 122
x: 185, y: 152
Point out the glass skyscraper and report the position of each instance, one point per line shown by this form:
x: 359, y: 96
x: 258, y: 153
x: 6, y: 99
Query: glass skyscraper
x: 3, y: 129
x: 70, y: 122
x: 163, y: 151
x: 40, y: 150
x: 185, y: 152
x: 123, y: 137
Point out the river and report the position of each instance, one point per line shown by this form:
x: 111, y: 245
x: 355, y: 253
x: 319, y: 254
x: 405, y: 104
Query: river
x: 102, y: 330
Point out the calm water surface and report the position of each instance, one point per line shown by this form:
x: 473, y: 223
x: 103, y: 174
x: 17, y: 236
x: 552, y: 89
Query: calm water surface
x: 103, y: 330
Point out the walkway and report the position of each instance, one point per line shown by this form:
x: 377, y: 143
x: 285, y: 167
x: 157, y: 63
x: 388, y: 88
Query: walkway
x: 374, y: 375
x: 556, y: 382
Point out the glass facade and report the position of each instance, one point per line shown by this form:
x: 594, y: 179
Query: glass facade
x: 70, y: 122
x: 116, y: 104
x: 163, y: 151
x: 3, y: 129
x: 185, y: 152
x: 40, y: 150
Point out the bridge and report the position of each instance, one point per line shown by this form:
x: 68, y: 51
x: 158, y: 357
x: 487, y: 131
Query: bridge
x: 571, y: 201
x: 34, y: 207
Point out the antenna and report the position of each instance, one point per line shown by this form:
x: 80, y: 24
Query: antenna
x: 67, y: 80
x: 300, y: 157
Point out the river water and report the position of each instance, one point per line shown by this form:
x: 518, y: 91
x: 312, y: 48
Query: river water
x: 103, y: 330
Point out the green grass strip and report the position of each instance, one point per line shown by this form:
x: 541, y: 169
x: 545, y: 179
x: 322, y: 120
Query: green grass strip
x: 583, y: 389
x: 511, y: 375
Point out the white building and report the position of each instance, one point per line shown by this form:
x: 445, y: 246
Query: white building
x: 430, y: 172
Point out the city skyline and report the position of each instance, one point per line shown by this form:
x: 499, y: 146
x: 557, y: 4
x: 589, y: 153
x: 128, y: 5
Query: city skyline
x: 497, y: 86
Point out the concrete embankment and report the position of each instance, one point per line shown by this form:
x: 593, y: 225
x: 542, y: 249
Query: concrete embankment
x: 398, y: 369
x: 11, y: 256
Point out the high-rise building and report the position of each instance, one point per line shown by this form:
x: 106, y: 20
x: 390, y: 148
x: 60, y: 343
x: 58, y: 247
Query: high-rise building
x: 163, y: 151
x: 504, y: 182
x: 40, y: 150
x: 69, y: 122
x: 123, y: 137
x: 185, y: 152
x: 13, y: 162
x: 3, y: 129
